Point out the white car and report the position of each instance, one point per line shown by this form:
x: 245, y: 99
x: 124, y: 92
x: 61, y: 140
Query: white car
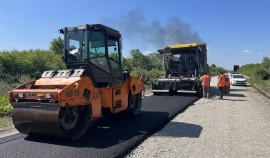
x: 238, y: 79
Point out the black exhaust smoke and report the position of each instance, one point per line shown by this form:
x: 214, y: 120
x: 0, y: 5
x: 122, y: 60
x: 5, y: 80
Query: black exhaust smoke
x: 146, y: 35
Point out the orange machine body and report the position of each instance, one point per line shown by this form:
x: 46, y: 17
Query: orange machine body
x: 73, y: 92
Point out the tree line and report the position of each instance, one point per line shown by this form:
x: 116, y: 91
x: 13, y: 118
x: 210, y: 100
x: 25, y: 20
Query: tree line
x: 215, y: 70
x: 17, y: 67
x: 259, y: 75
x: 259, y: 71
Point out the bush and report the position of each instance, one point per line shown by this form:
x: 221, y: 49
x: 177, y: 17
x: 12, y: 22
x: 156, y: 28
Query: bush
x: 5, y: 121
x: 19, y: 67
x: 151, y: 75
x: 255, y: 71
x: 155, y: 74
x: 262, y: 74
x: 214, y: 70
x: 5, y: 107
x: 32, y: 63
x: 5, y: 87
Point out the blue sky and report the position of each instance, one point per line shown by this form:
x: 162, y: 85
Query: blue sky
x: 236, y: 32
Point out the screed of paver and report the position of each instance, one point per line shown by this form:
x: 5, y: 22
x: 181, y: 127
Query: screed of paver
x: 237, y: 126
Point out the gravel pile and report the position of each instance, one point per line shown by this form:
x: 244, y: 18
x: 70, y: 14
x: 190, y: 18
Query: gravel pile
x: 237, y: 126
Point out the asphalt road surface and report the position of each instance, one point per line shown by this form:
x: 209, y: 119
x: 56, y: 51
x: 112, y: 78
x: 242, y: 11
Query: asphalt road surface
x: 113, y: 136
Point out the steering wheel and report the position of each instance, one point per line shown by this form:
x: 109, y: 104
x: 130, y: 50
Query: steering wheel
x: 71, y: 58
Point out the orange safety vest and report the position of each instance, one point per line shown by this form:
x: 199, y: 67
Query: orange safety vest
x: 221, y: 81
x: 206, y: 80
x: 227, y: 81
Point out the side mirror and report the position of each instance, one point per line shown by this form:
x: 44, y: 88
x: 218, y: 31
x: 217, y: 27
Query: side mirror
x: 125, y: 75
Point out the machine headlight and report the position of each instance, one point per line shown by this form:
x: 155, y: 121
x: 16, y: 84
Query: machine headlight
x: 20, y: 95
x: 48, y: 95
x: 51, y: 96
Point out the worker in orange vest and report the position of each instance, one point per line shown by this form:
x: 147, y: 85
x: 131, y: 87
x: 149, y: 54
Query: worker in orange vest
x: 206, y: 85
x: 227, y: 85
x: 221, y: 84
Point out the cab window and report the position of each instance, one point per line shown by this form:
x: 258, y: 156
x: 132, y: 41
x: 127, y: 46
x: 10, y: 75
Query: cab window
x: 114, y: 56
x: 97, y: 50
x: 75, y: 46
x: 97, y: 44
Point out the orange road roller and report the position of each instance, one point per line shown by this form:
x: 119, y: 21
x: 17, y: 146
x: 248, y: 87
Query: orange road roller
x: 63, y: 102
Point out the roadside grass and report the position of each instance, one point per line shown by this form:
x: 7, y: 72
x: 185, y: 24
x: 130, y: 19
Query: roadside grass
x: 262, y: 85
x: 5, y: 121
x: 5, y: 107
x: 5, y: 111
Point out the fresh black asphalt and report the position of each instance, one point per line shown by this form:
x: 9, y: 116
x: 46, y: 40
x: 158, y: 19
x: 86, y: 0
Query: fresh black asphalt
x: 113, y: 136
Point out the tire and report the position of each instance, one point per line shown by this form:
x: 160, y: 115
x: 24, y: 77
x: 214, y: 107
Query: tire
x: 80, y: 125
x: 134, y: 103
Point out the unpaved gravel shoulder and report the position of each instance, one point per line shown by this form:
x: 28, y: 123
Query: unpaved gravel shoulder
x: 237, y: 126
x: 7, y: 131
x: 10, y: 129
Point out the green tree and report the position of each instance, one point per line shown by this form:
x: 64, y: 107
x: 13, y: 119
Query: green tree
x: 257, y: 71
x: 155, y: 74
x: 262, y: 74
x: 213, y: 66
x: 15, y: 64
x: 214, y: 70
x: 151, y: 64
x: 156, y: 60
x: 140, y: 60
x: 266, y: 63
x: 250, y: 69
x: 57, y: 45
x: 127, y: 64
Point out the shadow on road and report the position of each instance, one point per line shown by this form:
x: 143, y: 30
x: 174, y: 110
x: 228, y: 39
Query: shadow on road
x: 236, y: 95
x: 213, y: 91
x: 181, y: 129
x: 234, y: 99
x: 236, y: 90
x: 241, y: 85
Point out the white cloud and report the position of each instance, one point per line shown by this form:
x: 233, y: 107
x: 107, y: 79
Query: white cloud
x: 148, y: 52
x: 126, y: 56
x: 260, y: 54
x: 246, y: 51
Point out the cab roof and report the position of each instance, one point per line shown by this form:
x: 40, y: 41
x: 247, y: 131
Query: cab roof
x: 187, y: 47
x: 91, y: 27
